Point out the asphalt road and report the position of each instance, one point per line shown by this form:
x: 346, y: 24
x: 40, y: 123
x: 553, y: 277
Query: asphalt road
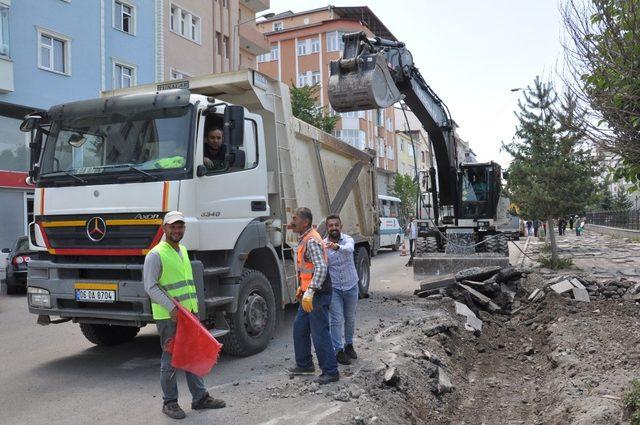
x: 52, y: 375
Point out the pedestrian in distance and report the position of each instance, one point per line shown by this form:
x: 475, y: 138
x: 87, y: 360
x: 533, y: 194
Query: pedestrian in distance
x: 314, y: 293
x: 571, y: 219
x: 529, y: 228
x: 412, y: 233
x: 167, y: 273
x: 562, y: 224
x: 536, y: 227
x: 344, y: 281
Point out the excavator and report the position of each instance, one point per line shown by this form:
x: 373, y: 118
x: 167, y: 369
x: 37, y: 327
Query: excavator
x: 462, y: 198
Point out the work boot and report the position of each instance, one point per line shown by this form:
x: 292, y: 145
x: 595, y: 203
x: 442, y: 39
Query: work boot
x: 302, y: 370
x: 208, y: 402
x: 349, y: 351
x: 343, y: 358
x: 327, y: 379
x: 173, y: 410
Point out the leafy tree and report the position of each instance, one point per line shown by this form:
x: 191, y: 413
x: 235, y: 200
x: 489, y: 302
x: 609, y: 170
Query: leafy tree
x: 621, y: 200
x: 602, y: 56
x: 405, y: 188
x: 304, y: 106
x: 551, y: 175
x: 606, y: 200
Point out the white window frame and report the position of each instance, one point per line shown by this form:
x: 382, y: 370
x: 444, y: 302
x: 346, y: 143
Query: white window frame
x: 265, y: 57
x: 6, y: 51
x: 315, y: 78
x: 181, y: 23
x: 274, y: 56
x: 302, y: 80
x: 334, y: 41
x: 66, y: 60
x: 119, y: 19
x: 182, y: 74
x: 123, y: 64
x: 277, y: 26
x: 315, y: 45
x: 301, y: 49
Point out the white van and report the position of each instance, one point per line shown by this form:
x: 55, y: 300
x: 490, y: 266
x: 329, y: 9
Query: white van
x: 391, y: 229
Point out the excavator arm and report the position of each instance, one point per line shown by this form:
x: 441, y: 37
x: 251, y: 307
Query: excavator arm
x: 376, y: 73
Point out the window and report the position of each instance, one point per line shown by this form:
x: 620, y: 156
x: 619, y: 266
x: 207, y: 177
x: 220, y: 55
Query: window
x: 123, y: 75
x: 14, y: 151
x: 315, y: 78
x: 401, y: 146
x: 356, y: 138
x: 302, y: 47
x: 315, y: 45
x: 381, y: 148
x: 123, y: 17
x: 178, y: 75
x: 265, y: 57
x: 219, y: 42
x: 380, y: 117
x: 225, y: 41
x: 302, y: 80
x: 334, y: 41
x: 4, y: 30
x: 275, y: 53
x: 53, y: 52
x: 390, y: 152
x: 185, y: 23
x: 278, y: 26
x: 220, y: 156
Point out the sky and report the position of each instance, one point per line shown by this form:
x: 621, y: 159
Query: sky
x: 472, y: 53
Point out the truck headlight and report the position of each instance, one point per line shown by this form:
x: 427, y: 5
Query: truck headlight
x: 484, y: 224
x: 39, y: 297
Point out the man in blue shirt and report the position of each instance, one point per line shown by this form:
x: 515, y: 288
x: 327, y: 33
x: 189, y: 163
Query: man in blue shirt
x: 344, y: 278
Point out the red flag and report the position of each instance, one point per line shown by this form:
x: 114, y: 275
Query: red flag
x: 193, y: 348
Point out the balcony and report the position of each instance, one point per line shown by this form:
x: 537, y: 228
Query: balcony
x: 6, y: 75
x: 253, y: 40
x: 257, y: 5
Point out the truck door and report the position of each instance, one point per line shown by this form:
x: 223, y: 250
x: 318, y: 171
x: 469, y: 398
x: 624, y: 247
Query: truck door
x: 233, y: 190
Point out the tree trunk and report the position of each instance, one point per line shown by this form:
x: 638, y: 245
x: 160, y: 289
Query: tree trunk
x: 554, y: 247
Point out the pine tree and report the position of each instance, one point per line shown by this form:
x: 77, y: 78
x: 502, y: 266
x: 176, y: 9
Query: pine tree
x: 552, y: 172
x: 304, y: 106
x: 606, y: 201
x: 621, y: 200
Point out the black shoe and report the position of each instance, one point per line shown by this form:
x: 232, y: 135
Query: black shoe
x: 173, y: 410
x: 302, y: 370
x: 349, y: 351
x: 208, y: 402
x: 343, y: 358
x: 327, y: 379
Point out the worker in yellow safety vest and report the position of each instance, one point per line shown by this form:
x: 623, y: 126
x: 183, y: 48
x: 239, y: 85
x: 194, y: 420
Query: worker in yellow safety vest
x: 314, y: 292
x: 167, y: 273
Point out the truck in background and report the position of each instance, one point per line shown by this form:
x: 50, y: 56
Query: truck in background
x: 108, y: 169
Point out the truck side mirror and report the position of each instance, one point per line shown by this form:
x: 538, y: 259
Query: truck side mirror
x: 234, y: 125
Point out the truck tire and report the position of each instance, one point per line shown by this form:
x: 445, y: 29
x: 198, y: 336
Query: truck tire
x: 503, y: 245
x: 396, y: 245
x: 108, y: 335
x: 362, y: 262
x: 491, y: 243
x: 431, y: 244
x: 252, y: 325
x: 421, y: 247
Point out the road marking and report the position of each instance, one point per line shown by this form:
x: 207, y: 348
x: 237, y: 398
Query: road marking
x: 314, y: 420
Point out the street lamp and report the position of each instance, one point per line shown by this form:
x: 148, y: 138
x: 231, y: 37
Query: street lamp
x: 236, y: 37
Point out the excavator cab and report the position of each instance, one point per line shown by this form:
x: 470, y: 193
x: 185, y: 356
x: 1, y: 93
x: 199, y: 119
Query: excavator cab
x: 361, y: 79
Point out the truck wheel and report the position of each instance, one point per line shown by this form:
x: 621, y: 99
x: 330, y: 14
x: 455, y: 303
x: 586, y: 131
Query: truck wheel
x: 396, y: 245
x: 107, y: 335
x: 363, y: 264
x: 421, y: 247
x: 491, y: 243
x: 431, y: 244
x: 503, y: 245
x: 253, y: 323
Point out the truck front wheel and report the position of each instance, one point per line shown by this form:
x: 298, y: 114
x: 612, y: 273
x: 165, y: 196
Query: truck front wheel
x: 107, y: 335
x: 362, y: 267
x: 253, y: 323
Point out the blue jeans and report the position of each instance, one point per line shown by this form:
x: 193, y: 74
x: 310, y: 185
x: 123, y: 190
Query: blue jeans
x: 168, y: 382
x: 315, y: 325
x: 343, y: 316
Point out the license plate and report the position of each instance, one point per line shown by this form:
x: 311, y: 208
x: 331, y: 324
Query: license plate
x: 96, y: 292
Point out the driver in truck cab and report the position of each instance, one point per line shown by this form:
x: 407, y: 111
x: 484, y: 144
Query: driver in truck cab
x: 214, y: 150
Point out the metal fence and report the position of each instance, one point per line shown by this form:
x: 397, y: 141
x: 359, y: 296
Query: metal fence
x: 623, y: 219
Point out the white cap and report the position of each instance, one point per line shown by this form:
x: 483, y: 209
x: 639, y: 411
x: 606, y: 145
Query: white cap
x: 172, y: 217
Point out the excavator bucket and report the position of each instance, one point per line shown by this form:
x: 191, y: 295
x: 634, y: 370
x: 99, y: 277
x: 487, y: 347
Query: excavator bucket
x: 361, y: 83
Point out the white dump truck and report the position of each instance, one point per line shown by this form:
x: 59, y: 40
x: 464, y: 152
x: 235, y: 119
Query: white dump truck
x: 108, y: 169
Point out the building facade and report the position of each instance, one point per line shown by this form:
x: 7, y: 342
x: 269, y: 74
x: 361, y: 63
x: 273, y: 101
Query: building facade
x: 301, y: 48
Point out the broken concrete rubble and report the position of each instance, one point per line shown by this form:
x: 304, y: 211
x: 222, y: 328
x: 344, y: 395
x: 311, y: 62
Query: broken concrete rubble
x: 477, y: 273
x: 472, y: 323
x: 483, y: 300
x: 444, y: 382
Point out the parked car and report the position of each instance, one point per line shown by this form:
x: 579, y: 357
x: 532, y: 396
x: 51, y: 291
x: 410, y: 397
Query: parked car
x: 19, y: 258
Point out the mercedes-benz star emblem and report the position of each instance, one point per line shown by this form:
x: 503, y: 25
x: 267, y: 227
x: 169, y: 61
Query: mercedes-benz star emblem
x: 96, y: 229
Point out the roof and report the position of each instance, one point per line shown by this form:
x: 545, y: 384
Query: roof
x: 361, y: 14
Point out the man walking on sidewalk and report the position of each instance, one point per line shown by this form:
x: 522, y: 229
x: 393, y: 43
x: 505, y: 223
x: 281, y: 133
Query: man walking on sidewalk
x: 344, y: 280
x: 312, y: 320
x: 412, y: 232
x: 167, y: 273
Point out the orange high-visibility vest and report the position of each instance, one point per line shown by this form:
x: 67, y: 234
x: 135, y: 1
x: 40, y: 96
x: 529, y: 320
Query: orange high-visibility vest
x: 306, y: 268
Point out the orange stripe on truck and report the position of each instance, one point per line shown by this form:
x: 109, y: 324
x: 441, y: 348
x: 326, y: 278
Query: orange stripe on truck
x: 165, y: 197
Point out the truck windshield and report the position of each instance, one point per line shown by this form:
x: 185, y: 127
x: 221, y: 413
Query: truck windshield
x: 145, y: 145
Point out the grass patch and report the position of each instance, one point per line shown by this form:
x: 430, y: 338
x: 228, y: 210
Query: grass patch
x: 545, y: 249
x: 632, y: 402
x: 562, y: 263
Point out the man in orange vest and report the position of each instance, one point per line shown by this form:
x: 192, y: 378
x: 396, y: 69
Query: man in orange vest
x: 312, y: 320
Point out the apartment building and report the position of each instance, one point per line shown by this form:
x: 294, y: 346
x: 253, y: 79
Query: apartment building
x: 203, y: 37
x: 301, y: 47
x: 55, y: 51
